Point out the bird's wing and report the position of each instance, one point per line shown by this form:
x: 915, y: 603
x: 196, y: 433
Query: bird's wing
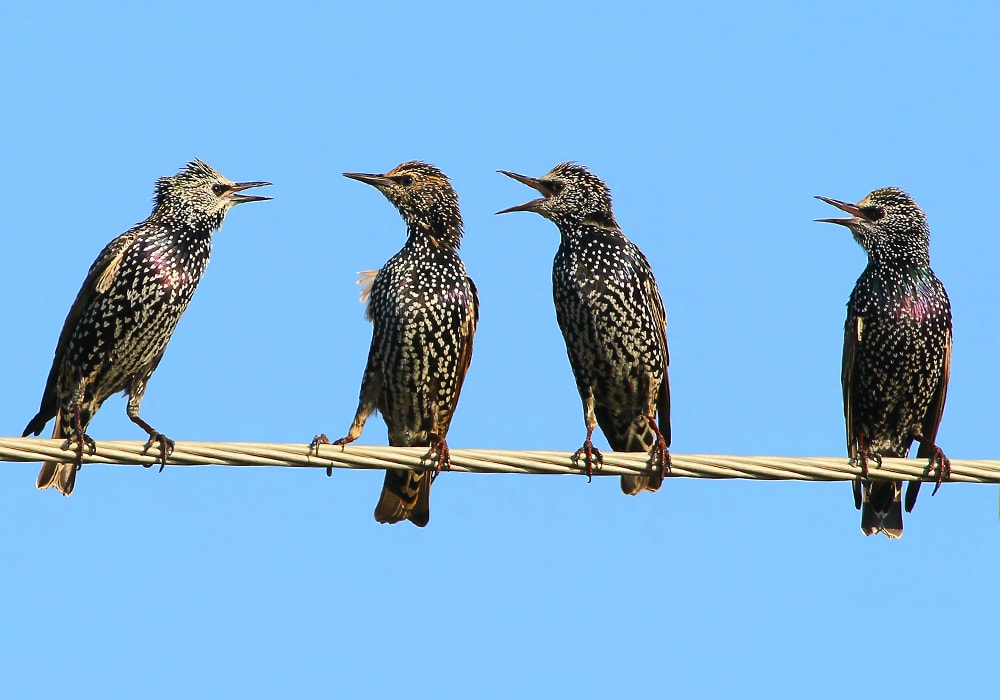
x: 100, y: 277
x: 366, y: 278
x: 660, y: 322
x: 468, y: 331
x: 932, y: 420
x: 852, y: 337
x: 929, y: 425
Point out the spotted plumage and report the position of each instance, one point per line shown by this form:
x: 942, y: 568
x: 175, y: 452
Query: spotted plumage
x: 127, y: 309
x: 612, y: 319
x: 424, y: 309
x: 897, y: 351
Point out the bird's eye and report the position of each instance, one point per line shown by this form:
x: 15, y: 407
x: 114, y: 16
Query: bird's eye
x: 555, y: 187
x: 874, y: 213
x: 404, y: 180
x: 219, y: 189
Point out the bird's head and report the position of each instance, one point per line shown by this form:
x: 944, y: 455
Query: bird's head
x: 570, y: 194
x: 200, y: 194
x: 424, y: 197
x: 887, y: 223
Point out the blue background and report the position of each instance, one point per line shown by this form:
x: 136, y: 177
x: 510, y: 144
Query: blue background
x: 714, y: 125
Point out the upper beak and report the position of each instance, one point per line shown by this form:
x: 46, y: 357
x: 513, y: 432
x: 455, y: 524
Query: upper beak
x: 374, y: 180
x: 857, y: 216
x: 531, y: 182
x: 240, y: 198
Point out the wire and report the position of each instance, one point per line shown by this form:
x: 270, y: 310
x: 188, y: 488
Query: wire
x: 260, y: 454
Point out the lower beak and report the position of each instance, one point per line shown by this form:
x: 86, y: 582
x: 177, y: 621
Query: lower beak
x: 856, y: 215
x: 527, y: 206
x: 241, y: 198
x: 530, y: 182
x: 369, y: 179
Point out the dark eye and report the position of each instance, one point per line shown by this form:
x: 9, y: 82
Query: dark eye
x: 404, y: 180
x: 219, y: 189
x: 555, y: 187
x: 873, y: 213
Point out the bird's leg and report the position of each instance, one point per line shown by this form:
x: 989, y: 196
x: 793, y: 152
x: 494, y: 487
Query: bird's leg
x: 938, y: 458
x: 439, y: 450
x: 659, y: 455
x: 135, y: 393
x: 593, y: 459
x: 352, y: 435
x: 80, y: 437
x: 370, y: 385
x: 155, y: 436
x: 864, y: 454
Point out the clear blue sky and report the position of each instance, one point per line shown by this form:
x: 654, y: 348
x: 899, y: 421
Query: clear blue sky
x: 714, y: 125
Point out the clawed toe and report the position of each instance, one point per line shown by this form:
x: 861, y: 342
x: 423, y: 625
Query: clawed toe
x: 439, y: 455
x: 166, y: 447
x: 318, y: 440
x: 82, y: 442
x: 943, y: 468
x: 863, y: 457
x: 592, y: 457
x: 659, y: 457
x: 322, y: 439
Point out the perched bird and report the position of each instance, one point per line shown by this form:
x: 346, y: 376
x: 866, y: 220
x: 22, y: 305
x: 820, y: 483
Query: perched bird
x: 897, y: 352
x: 127, y: 309
x: 424, y: 309
x: 612, y: 319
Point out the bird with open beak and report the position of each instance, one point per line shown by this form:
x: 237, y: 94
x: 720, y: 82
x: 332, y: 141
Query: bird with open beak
x: 897, y: 352
x: 612, y: 318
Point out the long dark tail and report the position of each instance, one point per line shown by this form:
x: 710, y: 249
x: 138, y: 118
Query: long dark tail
x: 58, y: 474
x: 882, y: 508
x: 406, y: 495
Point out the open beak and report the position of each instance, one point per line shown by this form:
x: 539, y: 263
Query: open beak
x: 857, y: 216
x: 369, y: 179
x: 531, y: 182
x: 240, y: 198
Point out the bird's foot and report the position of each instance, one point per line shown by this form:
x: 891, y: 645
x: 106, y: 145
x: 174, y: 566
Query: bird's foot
x: 165, y: 443
x: 346, y: 440
x: 938, y: 460
x: 592, y: 458
x: 82, y: 442
x: 318, y: 440
x: 322, y: 439
x: 659, y: 456
x: 864, y: 456
x: 439, y: 454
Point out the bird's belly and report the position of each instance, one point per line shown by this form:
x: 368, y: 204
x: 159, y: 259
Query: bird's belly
x: 421, y: 375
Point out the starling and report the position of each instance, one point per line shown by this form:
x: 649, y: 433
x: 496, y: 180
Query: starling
x: 612, y: 319
x: 127, y: 309
x: 897, y: 352
x: 424, y: 309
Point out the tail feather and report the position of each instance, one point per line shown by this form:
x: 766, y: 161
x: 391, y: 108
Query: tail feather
x: 36, y: 426
x: 640, y: 438
x: 60, y: 475
x: 634, y: 485
x: 406, y: 495
x: 882, y: 509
